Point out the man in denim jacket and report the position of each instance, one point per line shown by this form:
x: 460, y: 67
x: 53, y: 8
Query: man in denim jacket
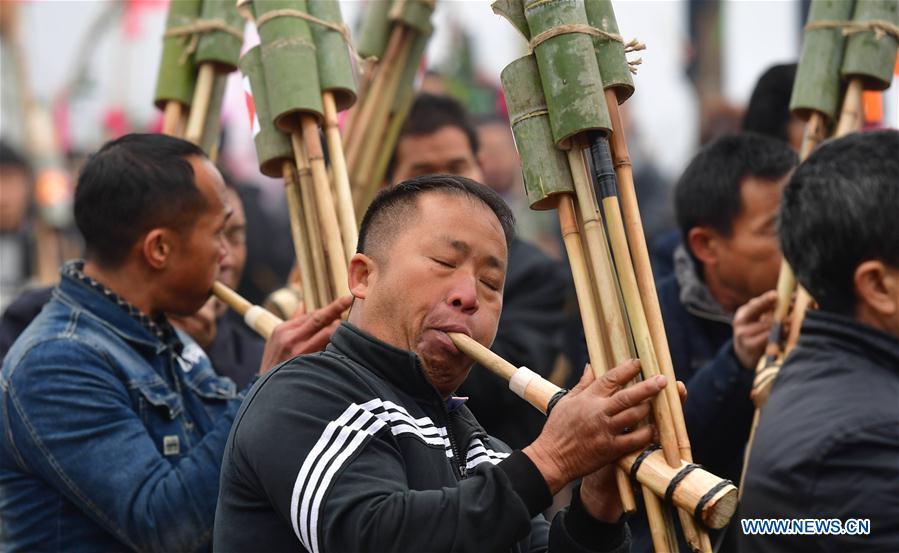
x: 114, y: 423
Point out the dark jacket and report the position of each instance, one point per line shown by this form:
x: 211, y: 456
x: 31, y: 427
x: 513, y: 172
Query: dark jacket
x: 529, y: 335
x: 827, y: 445
x: 718, y: 410
x: 236, y: 351
x: 353, y: 449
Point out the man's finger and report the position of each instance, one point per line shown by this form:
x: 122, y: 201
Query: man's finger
x: 629, y: 417
x: 682, y: 391
x: 635, y: 394
x: 586, y: 380
x: 755, y: 307
x: 633, y: 441
x: 617, y: 378
x: 317, y: 342
x: 751, y: 329
x: 300, y: 312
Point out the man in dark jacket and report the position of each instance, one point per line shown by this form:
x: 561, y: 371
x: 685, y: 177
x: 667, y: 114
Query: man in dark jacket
x: 365, y: 448
x: 438, y: 137
x: 716, y: 305
x: 827, y: 445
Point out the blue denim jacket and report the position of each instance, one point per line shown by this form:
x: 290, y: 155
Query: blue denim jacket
x: 111, y: 439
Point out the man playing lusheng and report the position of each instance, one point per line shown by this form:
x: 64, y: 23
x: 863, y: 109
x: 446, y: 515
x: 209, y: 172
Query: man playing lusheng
x: 438, y: 137
x: 364, y: 447
x: 827, y: 444
x: 114, y: 423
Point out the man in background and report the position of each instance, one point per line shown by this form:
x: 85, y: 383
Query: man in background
x: 827, y: 444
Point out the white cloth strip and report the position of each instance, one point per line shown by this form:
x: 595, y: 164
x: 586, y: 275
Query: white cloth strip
x: 520, y: 380
x: 252, y: 314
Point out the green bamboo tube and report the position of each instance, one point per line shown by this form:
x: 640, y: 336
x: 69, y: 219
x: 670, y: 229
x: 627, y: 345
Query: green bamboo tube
x: 571, y: 80
x: 545, y: 168
x: 410, y: 69
x: 610, y: 56
x: 288, y: 55
x: 220, y: 47
x: 375, y: 29
x: 415, y: 14
x: 869, y: 57
x: 212, y: 127
x: 513, y: 11
x: 817, y: 84
x: 335, y: 69
x: 175, y: 81
x: 272, y: 145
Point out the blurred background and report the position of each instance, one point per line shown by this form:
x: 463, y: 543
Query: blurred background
x: 85, y: 72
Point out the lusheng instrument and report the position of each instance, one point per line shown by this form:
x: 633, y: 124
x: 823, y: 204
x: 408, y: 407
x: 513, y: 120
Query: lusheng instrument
x: 563, y: 104
x: 710, y: 499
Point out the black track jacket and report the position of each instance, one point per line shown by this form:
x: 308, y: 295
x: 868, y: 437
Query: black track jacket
x: 352, y: 449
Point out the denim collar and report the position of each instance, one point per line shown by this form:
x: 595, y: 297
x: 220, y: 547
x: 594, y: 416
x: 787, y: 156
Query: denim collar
x: 159, y: 328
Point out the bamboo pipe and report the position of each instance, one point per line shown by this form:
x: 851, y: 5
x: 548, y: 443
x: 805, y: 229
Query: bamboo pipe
x: 372, y: 97
x: 199, y: 109
x: 301, y: 242
x: 171, y: 117
x: 324, y: 201
x: 596, y: 350
x: 653, y: 472
x: 815, y: 133
x: 852, y: 113
x: 800, y: 307
x: 633, y: 228
x: 661, y: 409
x: 609, y: 304
x: 368, y: 154
x: 660, y: 530
x: 580, y: 272
x: 675, y: 444
x: 311, y: 217
x: 257, y: 318
x: 346, y: 213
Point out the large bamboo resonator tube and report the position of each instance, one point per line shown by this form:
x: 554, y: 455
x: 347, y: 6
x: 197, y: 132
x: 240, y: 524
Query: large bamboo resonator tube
x: 711, y: 499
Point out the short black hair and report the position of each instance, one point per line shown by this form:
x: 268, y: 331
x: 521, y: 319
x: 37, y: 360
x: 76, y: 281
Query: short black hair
x: 131, y: 185
x: 393, y: 206
x: 708, y: 193
x: 430, y: 113
x: 11, y: 157
x: 768, y: 111
x: 839, y: 210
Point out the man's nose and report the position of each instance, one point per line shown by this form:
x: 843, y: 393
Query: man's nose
x: 464, y: 294
x: 226, y: 255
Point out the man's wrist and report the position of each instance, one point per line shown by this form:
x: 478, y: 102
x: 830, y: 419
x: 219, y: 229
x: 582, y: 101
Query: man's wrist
x: 547, y: 467
x: 604, y: 507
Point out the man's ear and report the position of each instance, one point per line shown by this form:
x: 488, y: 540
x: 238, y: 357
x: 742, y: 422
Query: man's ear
x: 156, y: 248
x: 702, y: 241
x: 361, y: 270
x: 877, y: 287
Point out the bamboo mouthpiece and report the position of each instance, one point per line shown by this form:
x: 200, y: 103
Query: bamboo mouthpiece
x: 256, y: 317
